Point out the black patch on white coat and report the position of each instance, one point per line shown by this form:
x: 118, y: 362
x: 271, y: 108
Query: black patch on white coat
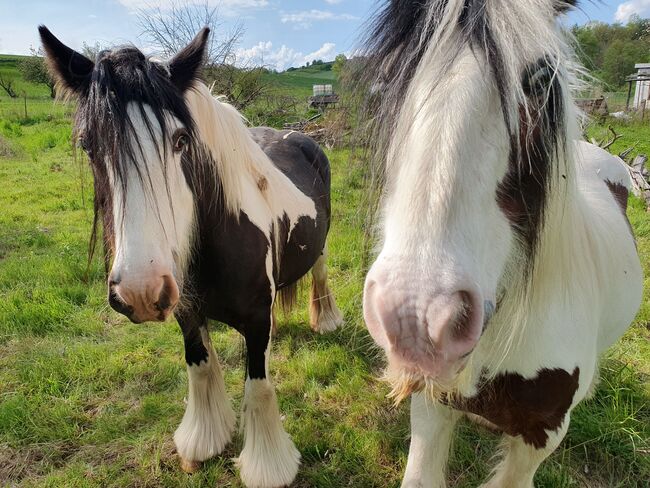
x: 621, y: 194
x: 523, y: 193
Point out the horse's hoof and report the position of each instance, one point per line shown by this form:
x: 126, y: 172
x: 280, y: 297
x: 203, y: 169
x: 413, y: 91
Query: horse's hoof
x: 190, y: 467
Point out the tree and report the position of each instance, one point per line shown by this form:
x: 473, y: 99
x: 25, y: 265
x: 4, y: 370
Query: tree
x: 171, y: 29
x: 619, y: 60
x: 611, y: 51
x: 339, y: 64
x: 7, y: 85
x: 34, y: 70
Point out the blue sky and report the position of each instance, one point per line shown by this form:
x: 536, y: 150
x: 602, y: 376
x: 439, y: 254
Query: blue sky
x: 278, y: 33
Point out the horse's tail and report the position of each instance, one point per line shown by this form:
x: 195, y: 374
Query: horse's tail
x: 288, y: 297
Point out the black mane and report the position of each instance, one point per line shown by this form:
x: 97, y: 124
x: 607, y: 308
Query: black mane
x: 106, y: 131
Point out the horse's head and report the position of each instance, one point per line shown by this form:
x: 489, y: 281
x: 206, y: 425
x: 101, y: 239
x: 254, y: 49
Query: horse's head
x: 133, y: 121
x: 473, y: 109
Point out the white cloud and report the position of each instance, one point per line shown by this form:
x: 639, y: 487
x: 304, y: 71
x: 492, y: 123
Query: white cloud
x: 304, y: 19
x: 626, y: 9
x: 325, y: 53
x: 333, y: 2
x: 263, y: 54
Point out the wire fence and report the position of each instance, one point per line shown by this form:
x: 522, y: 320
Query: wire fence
x: 25, y: 107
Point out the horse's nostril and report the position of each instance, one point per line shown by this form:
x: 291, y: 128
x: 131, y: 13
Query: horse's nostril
x: 461, y: 321
x: 114, y: 280
x: 168, y: 296
x: 117, y: 304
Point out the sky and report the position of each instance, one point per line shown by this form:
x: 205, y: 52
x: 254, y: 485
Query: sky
x: 278, y: 33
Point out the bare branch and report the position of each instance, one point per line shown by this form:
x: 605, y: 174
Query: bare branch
x: 608, y: 144
x: 171, y: 28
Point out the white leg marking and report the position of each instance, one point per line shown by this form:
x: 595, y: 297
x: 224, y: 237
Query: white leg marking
x: 209, y: 419
x: 432, y: 427
x: 269, y: 458
x: 521, y: 460
x: 324, y: 315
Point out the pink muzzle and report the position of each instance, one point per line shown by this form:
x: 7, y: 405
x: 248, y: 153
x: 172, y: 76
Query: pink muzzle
x: 427, y: 330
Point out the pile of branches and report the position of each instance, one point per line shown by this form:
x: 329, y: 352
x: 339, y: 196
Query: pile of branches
x: 639, y: 173
x: 330, y: 131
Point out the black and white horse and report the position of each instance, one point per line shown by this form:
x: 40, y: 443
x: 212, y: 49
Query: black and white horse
x: 203, y: 219
x: 507, y: 265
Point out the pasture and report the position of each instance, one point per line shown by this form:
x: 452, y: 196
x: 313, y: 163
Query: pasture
x: 88, y: 399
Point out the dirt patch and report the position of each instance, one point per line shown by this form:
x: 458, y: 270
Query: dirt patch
x: 6, y: 150
x: 32, y: 461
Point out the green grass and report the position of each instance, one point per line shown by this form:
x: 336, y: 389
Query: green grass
x: 89, y: 400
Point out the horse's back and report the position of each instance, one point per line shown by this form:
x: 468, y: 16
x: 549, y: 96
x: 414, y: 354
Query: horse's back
x: 595, y: 161
x: 300, y: 158
x: 603, y: 186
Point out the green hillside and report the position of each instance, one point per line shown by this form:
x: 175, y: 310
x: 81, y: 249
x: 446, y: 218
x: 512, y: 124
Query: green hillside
x: 272, y: 109
x: 299, y: 81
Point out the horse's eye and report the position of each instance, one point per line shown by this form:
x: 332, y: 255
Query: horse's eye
x: 181, y: 139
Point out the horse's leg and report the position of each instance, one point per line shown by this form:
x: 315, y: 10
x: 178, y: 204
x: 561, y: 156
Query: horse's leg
x: 269, y: 458
x: 432, y: 427
x: 324, y: 315
x: 521, y: 460
x: 209, y: 419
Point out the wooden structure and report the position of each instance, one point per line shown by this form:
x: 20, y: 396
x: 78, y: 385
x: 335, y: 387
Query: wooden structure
x: 323, y: 97
x: 593, y: 106
x: 642, y: 89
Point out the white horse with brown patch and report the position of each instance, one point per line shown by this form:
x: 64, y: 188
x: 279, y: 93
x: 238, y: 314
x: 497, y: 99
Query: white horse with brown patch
x: 507, y: 265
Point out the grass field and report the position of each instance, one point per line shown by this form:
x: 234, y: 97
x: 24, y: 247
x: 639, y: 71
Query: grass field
x: 88, y: 399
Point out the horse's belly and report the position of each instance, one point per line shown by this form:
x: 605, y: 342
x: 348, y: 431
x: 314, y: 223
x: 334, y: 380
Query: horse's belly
x: 305, y: 245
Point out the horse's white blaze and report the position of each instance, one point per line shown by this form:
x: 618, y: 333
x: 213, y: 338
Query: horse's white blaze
x: 444, y: 234
x: 152, y: 227
x: 447, y: 225
x: 209, y: 419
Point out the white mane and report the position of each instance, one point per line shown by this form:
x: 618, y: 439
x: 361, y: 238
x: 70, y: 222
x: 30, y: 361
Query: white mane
x: 238, y: 160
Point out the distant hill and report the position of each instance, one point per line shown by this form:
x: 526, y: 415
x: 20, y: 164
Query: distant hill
x: 299, y: 81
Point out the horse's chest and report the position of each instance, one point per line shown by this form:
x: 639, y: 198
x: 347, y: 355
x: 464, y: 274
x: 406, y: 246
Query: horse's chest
x: 525, y: 407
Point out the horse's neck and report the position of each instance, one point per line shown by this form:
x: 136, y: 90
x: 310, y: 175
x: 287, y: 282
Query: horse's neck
x: 240, y: 165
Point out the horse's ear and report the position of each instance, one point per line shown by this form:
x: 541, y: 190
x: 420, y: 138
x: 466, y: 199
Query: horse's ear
x: 71, y: 70
x: 185, y: 66
x: 563, y: 6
